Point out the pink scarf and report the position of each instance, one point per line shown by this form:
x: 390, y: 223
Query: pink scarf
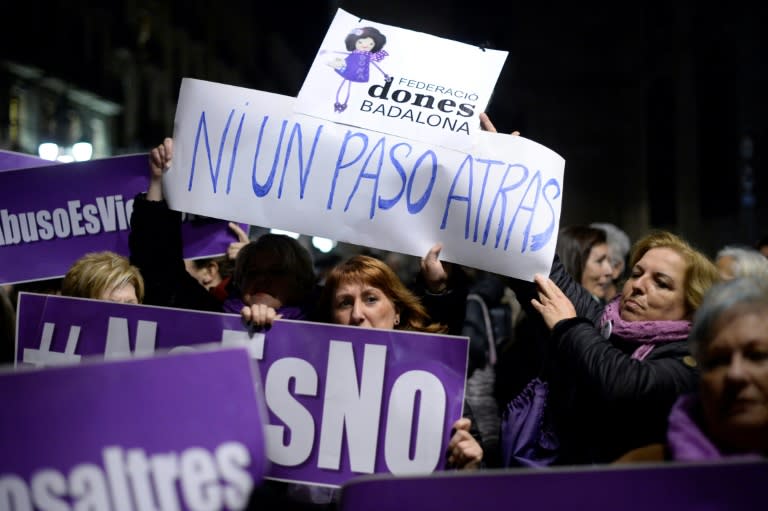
x: 645, y: 333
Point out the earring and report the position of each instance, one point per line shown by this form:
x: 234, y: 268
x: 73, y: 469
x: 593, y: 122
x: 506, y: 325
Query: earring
x: 397, y: 320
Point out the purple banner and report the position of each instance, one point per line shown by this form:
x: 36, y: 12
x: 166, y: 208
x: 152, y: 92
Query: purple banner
x: 723, y: 486
x: 51, y: 215
x: 10, y: 160
x: 166, y: 432
x: 342, y: 401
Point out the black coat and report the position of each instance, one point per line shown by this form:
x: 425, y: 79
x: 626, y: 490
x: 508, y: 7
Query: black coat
x: 603, y: 401
x: 156, y: 248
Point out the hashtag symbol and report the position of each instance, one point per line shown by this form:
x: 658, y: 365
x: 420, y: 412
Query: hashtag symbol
x: 44, y: 356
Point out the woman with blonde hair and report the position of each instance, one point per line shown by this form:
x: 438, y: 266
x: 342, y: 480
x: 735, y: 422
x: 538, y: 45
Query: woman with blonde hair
x: 104, y: 276
x: 614, y: 371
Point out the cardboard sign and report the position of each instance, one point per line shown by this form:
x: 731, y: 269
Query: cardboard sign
x: 715, y: 486
x: 401, y: 82
x: 166, y: 432
x: 10, y: 160
x: 51, y: 215
x: 243, y: 154
x: 342, y: 401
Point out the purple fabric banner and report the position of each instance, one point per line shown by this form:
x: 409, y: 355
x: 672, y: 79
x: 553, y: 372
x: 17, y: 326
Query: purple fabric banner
x: 51, y: 215
x: 165, y: 432
x: 724, y: 486
x: 10, y: 160
x: 342, y: 401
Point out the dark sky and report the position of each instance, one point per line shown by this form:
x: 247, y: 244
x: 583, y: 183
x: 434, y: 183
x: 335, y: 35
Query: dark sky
x: 671, y: 89
x: 645, y: 100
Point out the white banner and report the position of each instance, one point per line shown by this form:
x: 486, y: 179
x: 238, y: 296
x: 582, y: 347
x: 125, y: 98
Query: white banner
x: 244, y: 155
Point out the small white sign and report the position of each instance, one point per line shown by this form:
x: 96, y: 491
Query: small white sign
x: 397, y: 81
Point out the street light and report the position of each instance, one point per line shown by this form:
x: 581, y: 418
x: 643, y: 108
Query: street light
x: 48, y: 151
x: 294, y: 235
x: 324, y: 245
x: 82, y: 151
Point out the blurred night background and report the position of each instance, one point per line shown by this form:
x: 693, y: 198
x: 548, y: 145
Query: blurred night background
x: 659, y: 108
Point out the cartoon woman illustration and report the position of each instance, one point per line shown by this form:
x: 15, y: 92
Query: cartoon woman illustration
x: 365, y: 46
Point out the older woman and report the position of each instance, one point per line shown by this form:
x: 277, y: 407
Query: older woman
x: 736, y: 261
x: 615, y: 371
x: 728, y: 416
x: 104, y: 276
x: 586, y: 256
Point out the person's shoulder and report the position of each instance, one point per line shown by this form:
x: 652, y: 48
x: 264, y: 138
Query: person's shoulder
x: 674, y: 349
x: 648, y: 453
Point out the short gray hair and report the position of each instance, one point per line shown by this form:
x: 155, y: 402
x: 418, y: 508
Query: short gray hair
x: 746, y: 262
x: 617, y: 239
x: 721, y: 299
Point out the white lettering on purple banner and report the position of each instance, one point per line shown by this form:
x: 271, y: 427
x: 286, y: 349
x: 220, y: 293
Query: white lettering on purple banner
x: 128, y: 479
x: 342, y: 400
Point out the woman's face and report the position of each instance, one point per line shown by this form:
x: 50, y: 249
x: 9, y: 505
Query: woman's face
x: 267, y: 282
x: 208, y: 276
x: 655, y: 290
x: 598, y: 272
x: 734, y: 383
x: 365, y: 44
x: 358, y: 304
x: 123, y: 294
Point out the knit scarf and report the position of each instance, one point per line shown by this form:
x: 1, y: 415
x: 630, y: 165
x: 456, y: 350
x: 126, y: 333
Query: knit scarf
x: 645, y: 333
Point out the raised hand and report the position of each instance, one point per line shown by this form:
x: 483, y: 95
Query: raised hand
x: 435, y: 275
x: 159, y: 162
x: 242, y: 240
x: 487, y: 125
x: 552, y: 304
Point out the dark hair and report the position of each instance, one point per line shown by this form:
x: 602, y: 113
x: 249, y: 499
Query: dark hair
x: 379, y: 39
x: 295, y: 258
x: 225, y: 264
x: 574, y: 243
x: 376, y: 273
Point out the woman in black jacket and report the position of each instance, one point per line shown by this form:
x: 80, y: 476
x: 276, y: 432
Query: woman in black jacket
x: 615, y: 371
x: 273, y: 271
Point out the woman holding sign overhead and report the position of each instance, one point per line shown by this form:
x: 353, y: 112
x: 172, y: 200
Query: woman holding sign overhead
x: 614, y: 371
x: 610, y: 373
x: 274, y: 271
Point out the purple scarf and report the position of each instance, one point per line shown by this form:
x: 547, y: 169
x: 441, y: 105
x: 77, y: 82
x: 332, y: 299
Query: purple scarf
x: 645, y: 333
x: 686, y: 440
